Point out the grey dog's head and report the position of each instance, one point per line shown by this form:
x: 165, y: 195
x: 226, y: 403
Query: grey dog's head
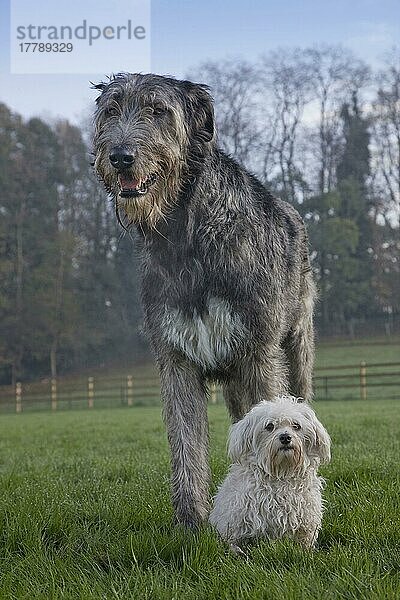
x: 150, y: 133
x: 283, y: 438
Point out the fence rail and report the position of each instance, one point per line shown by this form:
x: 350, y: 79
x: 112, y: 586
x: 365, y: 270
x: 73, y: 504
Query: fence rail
x: 367, y: 381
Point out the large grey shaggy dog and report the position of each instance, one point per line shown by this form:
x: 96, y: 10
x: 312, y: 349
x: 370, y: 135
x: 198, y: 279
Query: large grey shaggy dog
x: 227, y: 288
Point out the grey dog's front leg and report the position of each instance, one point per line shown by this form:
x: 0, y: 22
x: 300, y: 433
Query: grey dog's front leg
x: 261, y: 376
x: 183, y: 392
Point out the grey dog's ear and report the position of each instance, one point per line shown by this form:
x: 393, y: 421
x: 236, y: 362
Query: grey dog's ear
x: 322, y: 442
x: 101, y: 86
x: 200, y: 110
x: 205, y: 113
x: 98, y: 86
x: 240, y: 439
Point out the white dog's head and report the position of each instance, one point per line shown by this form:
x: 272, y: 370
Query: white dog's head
x: 283, y: 437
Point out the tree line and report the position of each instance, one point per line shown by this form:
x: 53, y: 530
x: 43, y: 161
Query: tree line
x: 68, y: 276
x: 322, y: 130
x: 316, y: 125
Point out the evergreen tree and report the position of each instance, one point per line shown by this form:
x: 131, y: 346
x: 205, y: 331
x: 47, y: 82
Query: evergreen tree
x: 333, y: 240
x: 340, y: 230
x: 354, y: 162
x: 353, y: 173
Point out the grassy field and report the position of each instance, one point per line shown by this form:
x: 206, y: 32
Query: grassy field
x: 85, y: 513
x: 373, y: 350
x: 110, y: 384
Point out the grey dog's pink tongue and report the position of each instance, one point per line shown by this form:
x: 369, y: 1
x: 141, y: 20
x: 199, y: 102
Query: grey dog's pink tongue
x: 128, y: 183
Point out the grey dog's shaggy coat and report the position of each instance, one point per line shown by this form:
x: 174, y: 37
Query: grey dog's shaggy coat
x: 227, y: 287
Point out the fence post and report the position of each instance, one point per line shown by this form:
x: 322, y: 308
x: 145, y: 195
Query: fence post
x: 363, y: 380
x: 129, y: 385
x: 90, y: 392
x: 54, y: 394
x: 18, y: 397
x: 213, y: 393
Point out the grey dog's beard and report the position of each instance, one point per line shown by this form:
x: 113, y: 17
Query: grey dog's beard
x: 148, y: 208
x: 139, y: 209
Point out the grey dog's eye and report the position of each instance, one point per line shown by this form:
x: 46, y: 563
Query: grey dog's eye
x: 112, y: 110
x: 158, y: 111
x: 269, y: 427
x: 296, y: 426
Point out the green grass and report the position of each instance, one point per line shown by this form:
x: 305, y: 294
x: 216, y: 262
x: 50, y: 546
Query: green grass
x: 352, y: 353
x: 85, y: 513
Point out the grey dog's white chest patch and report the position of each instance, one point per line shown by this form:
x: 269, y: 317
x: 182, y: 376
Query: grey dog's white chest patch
x: 208, y: 339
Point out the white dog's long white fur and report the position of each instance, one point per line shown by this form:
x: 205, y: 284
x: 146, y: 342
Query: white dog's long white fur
x: 272, y: 489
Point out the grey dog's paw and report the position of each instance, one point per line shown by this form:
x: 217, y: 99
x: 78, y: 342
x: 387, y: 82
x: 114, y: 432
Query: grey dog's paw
x: 237, y: 551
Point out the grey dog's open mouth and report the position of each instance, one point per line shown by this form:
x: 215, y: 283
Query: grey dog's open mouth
x: 131, y: 188
x: 286, y: 448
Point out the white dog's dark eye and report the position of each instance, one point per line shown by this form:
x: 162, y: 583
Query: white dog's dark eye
x: 269, y: 427
x: 296, y: 426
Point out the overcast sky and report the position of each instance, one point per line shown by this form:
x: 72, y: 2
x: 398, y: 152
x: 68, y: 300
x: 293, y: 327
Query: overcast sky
x: 187, y: 32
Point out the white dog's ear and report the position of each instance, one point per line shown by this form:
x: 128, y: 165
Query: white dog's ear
x: 240, y: 439
x: 322, y: 442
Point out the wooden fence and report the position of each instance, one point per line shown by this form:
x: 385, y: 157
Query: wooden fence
x: 372, y: 381
x: 341, y: 382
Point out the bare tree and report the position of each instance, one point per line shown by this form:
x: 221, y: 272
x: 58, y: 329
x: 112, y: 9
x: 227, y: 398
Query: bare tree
x: 386, y: 139
x: 336, y: 74
x: 260, y: 112
x: 235, y: 88
x: 288, y: 88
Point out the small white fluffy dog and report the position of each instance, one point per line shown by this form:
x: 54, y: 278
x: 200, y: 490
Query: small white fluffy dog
x: 272, y: 489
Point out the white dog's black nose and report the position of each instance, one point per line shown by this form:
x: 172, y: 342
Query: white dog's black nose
x: 285, y: 438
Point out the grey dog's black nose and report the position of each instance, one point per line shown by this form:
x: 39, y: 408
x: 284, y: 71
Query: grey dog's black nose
x: 120, y: 158
x: 285, y: 438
